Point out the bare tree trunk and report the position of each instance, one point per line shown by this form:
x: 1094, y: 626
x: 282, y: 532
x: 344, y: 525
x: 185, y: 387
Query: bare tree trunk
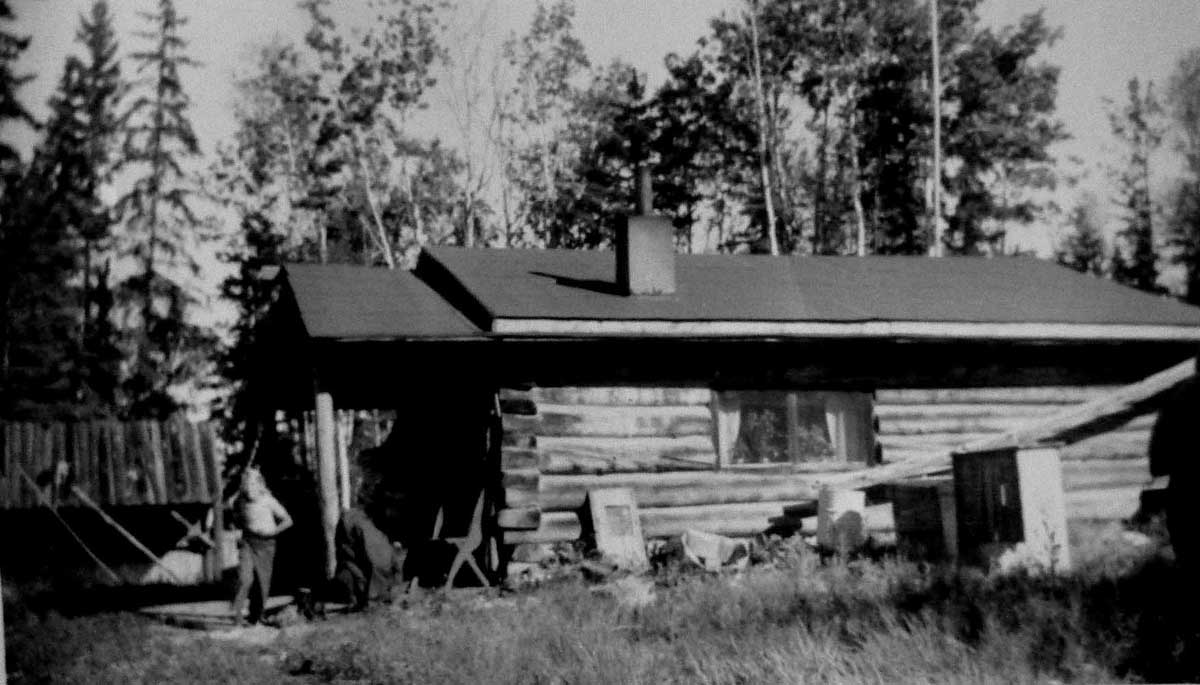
x: 372, y: 203
x: 763, y: 163
x: 860, y: 220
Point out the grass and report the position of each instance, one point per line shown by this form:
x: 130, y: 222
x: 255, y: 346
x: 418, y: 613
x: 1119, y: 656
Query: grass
x: 1120, y: 617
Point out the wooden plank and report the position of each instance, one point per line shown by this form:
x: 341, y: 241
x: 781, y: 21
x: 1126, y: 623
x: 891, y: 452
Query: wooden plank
x: 120, y: 462
x: 617, y: 527
x: 12, y: 447
x: 199, y: 462
x: 623, y: 396
x: 1097, y: 416
x: 158, y: 455
x: 519, y: 518
x: 105, y: 466
x: 31, y: 458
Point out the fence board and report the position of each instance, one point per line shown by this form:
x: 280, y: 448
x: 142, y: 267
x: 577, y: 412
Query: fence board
x: 156, y: 455
x: 120, y: 462
x: 134, y: 462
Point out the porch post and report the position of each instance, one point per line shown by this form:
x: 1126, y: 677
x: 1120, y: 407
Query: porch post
x: 327, y: 474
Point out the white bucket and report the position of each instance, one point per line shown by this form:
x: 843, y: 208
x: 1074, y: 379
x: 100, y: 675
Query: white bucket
x: 840, y: 519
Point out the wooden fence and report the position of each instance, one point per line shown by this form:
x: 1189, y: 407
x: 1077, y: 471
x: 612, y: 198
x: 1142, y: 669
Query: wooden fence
x: 113, y: 462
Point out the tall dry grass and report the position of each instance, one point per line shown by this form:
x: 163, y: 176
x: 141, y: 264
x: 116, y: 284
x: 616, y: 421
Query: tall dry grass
x: 1120, y: 617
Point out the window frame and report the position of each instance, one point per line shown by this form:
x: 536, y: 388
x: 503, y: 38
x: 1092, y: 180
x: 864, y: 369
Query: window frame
x: 852, y: 429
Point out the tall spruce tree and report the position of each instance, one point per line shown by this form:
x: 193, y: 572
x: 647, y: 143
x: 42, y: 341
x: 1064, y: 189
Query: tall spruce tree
x: 1183, y: 220
x: 1083, y: 248
x: 162, y: 231
x: 1137, y: 125
x: 100, y: 93
x: 29, y: 260
x: 65, y: 210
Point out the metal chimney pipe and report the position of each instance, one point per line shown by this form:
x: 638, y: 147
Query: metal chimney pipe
x: 645, y: 191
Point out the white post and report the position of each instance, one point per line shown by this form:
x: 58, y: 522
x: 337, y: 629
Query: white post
x: 327, y: 474
x: 345, y: 430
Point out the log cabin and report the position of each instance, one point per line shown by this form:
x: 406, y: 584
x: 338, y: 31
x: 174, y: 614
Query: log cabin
x: 723, y: 390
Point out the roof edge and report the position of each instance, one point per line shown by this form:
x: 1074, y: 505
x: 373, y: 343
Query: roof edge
x: 857, y: 329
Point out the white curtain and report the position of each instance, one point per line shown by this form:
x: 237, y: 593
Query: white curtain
x: 727, y: 417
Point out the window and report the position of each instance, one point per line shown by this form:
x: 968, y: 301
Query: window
x: 782, y: 427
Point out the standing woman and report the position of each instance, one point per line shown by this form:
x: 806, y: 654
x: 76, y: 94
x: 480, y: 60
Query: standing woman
x: 262, y: 518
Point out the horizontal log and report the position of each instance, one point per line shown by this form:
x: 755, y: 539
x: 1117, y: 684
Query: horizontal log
x: 567, y: 493
x: 518, y: 459
x: 520, y: 496
x: 610, y: 455
x: 565, y: 464
x: 519, y: 518
x: 1099, y: 415
x: 615, y: 422
x: 936, y: 441
x: 877, y: 519
x: 1106, y: 447
x: 624, y: 396
x: 553, y: 527
x: 1105, y: 474
x: 526, y: 440
x: 980, y: 425
x: 964, y: 411
x: 1111, y: 504
x: 521, y: 406
x: 734, y: 520
x: 1030, y: 395
x: 695, y: 447
x: 527, y: 479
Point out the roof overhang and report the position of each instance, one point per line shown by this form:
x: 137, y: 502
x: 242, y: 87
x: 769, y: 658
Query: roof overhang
x: 919, y: 330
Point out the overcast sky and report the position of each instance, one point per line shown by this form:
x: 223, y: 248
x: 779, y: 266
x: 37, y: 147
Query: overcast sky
x: 1105, y: 42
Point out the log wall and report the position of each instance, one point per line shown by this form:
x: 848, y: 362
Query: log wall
x: 913, y: 422
x: 561, y: 442
x: 112, y: 462
x: 659, y: 442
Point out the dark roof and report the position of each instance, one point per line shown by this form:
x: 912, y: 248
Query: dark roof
x: 578, y: 285
x: 356, y: 302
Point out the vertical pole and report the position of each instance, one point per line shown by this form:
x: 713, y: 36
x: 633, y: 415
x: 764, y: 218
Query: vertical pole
x: 3, y: 657
x: 216, y: 460
x: 327, y: 473
x: 345, y: 433
x: 937, y: 249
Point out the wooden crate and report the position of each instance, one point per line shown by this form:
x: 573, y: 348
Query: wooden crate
x: 1010, y: 503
